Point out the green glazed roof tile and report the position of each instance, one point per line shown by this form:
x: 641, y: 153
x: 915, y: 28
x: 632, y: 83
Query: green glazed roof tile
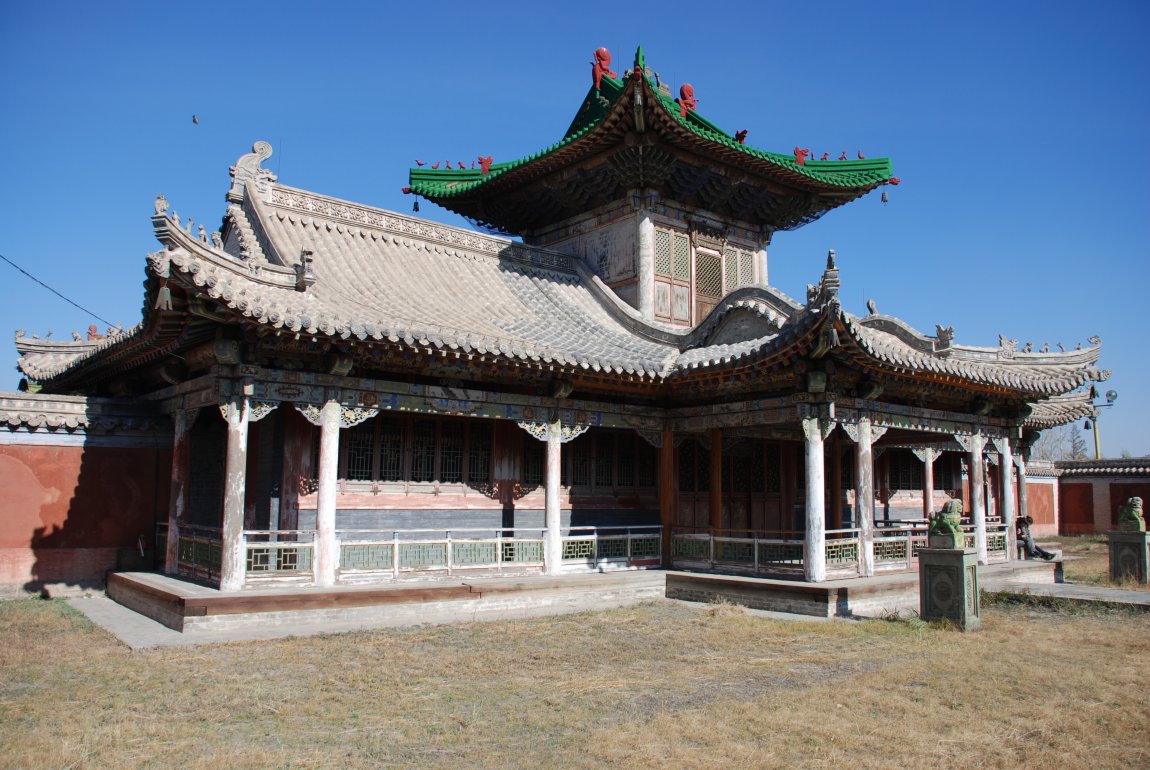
x: 845, y: 174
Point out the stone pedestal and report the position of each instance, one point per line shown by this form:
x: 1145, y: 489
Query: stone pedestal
x: 948, y: 586
x: 1129, y: 556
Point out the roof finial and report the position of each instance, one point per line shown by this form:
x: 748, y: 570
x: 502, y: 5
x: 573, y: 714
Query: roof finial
x: 601, y: 66
x: 831, y: 260
x: 686, y: 100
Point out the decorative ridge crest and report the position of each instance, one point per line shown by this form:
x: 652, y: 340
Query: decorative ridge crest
x: 313, y: 204
x: 249, y: 169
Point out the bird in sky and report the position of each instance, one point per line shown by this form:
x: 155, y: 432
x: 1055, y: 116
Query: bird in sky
x: 196, y: 120
x: 861, y: 156
x: 419, y: 162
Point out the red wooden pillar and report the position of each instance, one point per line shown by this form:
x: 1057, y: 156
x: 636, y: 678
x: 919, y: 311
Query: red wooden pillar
x: 667, y: 487
x: 716, y: 496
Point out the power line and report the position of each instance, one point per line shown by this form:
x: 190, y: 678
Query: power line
x: 58, y: 294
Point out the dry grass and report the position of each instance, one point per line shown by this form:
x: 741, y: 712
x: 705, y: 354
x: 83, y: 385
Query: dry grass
x: 1091, y: 562
x: 652, y: 686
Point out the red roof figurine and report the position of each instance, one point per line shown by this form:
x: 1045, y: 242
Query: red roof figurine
x: 601, y: 66
x: 686, y: 100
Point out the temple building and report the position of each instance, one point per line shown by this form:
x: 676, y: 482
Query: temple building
x: 600, y: 376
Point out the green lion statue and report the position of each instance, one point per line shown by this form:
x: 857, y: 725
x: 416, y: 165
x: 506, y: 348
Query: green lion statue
x: 946, y: 526
x: 1130, y: 516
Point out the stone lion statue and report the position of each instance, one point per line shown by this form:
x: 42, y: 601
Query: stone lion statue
x: 1130, y: 516
x: 946, y: 526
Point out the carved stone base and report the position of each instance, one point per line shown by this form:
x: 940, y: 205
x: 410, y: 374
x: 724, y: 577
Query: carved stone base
x: 1130, y: 556
x: 948, y: 586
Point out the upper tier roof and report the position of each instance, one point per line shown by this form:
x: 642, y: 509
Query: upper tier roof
x: 391, y: 282
x: 628, y: 134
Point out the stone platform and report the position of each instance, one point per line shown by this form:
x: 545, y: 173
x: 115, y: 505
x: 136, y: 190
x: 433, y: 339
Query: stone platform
x: 197, y: 611
x: 192, y: 609
x: 895, y: 593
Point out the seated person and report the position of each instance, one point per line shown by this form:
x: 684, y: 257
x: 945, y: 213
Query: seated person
x: 1022, y: 529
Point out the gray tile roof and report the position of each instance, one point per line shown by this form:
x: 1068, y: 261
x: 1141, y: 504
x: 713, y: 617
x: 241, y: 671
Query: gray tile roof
x: 389, y: 277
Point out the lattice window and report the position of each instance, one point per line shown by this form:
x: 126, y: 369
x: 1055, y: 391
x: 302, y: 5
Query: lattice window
x: 682, y: 257
x: 647, y: 461
x: 756, y: 475
x: 604, y: 460
x: 708, y: 275
x: 451, y: 452
x: 731, y: 268
x: 687, y: 451
x: 773, y: 469
x: 582, y: 461
x: 625, y: 461
x: 905, y: 470
x: 702, y: 469
x: 423, y: 451
x: 390, y: 449
x: 534, y: 453
x: 944, y: 477
x: 746, y: 268
x: 314, y: 454
x: 359, y: 443
x: 479, y: 453
x: 663, y: 253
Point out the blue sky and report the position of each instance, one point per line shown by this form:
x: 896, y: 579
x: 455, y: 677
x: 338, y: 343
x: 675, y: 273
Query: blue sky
x: 1019, y: 130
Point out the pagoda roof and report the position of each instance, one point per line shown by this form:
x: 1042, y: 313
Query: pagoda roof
x: 650, y: 143
x: 377, y: 282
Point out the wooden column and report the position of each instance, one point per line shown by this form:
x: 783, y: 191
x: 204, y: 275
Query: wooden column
x: 667, y: 490
x: 716, y: 495
x: 182, y: 420
x: 837, y: 482
x: 787, y: 484
x: 978, y: 497
x: 1020, y: 463
x: 233, y: 552
x: 296, y: 466
x: 864, y: 492
x: 553, y: 539
x: 814, y: 545
x: 326, y: 547
x: 927, y: 455
x: 1006, y: 474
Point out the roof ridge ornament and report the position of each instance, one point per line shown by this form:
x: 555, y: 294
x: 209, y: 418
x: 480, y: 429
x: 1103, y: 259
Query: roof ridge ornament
x: 945, y: 335
x: 249, y: 169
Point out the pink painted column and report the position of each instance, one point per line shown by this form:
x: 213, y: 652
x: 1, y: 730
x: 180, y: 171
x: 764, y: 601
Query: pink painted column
x: 326, y: 547
x: 233, y: 556
x: 814, y: 545
x: 978, y: 497
x: 182, y: 420
x: 552, y: 516
x: 1006, y: 471
x: 927, y: 455
x: 864, y: 493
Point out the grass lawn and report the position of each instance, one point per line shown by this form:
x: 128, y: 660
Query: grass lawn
x: 658, y: 685
x: 1090, y: 562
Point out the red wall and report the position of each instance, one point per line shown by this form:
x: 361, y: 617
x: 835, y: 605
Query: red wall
x: 1076, y: 504
x: 1040, y: 507
x: 1120, y: 493
x: 69, y: 509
